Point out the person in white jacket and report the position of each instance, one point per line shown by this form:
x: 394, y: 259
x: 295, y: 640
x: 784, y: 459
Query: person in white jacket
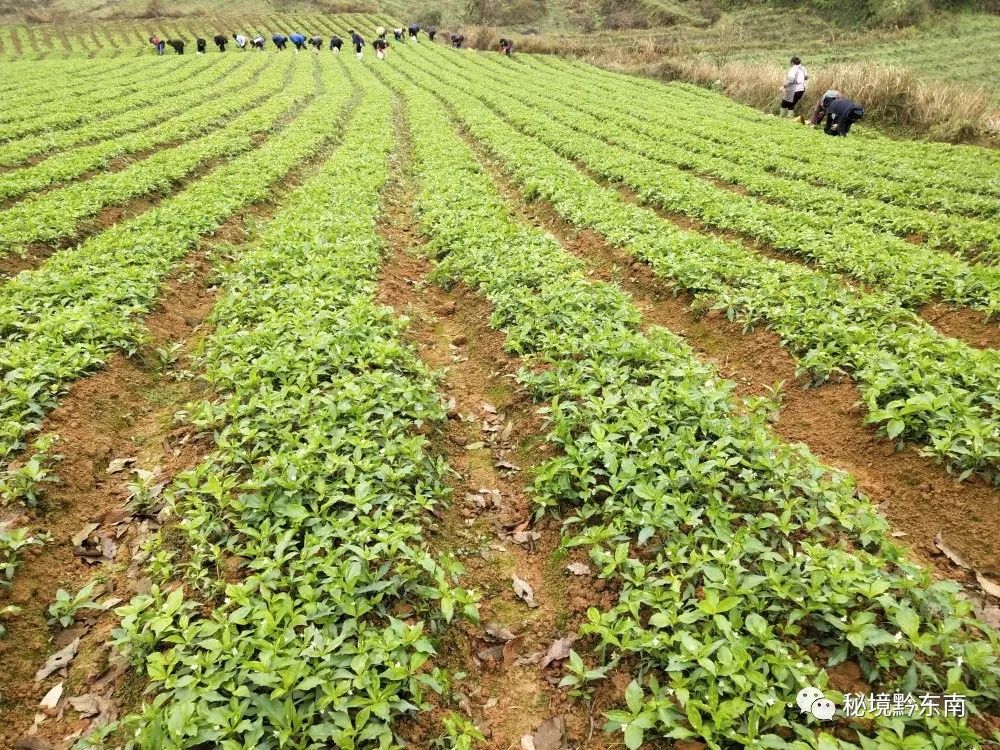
x: 794, y: 87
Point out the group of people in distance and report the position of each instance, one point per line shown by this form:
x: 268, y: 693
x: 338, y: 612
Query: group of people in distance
x: 838, y: 112
x: 301, y: 42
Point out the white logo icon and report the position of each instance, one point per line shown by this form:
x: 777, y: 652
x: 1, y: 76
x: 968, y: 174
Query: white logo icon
x: 813, y: 701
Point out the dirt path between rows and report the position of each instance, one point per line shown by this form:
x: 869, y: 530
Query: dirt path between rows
x: 917, y: 497
x: 493, y: 426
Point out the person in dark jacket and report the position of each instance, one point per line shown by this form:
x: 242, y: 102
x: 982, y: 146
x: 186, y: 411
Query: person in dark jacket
x: 380, y: 46
x: 280, y: 41
x: 221, y: 40
x: 158, y: 44
x: 457, y: 40
x: 398, y: 34
x: 507, y: 47
x: 821, y: 106
x: 177, y: 44
x: 200, y: 45
x: 358, y: 41
x: 840, y: 115
x: 316, y: 42
x: 414, y: 30
x: 432, y: 32
x: 258, y: 42
x: 299, y: 41
x: 336, y: 43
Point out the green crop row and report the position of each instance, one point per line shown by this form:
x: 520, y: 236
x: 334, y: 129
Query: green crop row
x: 51, y: 86
x: 319, y: 486
x: 118, y: 98
x: 817, y: 208
x: 925, y: 175
x: 915, y: 173
x: 183, y: 91
x: 744, y: 567
x: 240, y: 90
x: 57, y: 213
x: 64, y: 319
x: 917, y: 384
x: 914, y: 274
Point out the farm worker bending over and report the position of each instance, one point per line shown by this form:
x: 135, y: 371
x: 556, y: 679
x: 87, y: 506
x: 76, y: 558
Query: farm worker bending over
x: 241, y: 41
x: 794, y: 88
x: 298, y: 40
x: 158, y: 44
x: 821, y: 106
x: 200, y: 45
x: 840, y: 115
x: 280, y: 41
x: 336, y: 43
x: 316, y: 42
x: 258, y: 42
x: 221, y: 41
x: 398, y: 33
x: 380, y: 33
x: 457, y: 40
x: 358, y: 41
x: 432, y: 32
x: 380, y: 46
x: 177, y: 44
x: 507, y: 47
x: 414, y: 30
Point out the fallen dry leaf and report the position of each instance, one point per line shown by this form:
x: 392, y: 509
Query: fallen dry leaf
x: 950, y: 553
x: 507, y: 466
x: 510, y: 649
x: 559, y: 650
x: 86, y: 705
x: 578, y: 569
x: 58, y: 660
x: 81, y: 536
x: 498, y: 632
x: 489, y: 408
x: 990, y: 614
x: 551, y: 735
x: 524, y: 591
x: 988, y: 586
x: 97, y: 706
x: 525, y: 537
x: 120, y: 464
x: 478, y: 445
x: 115, y: 516
x: 507, y: 431
x: 108, y: 547
x: 32, y: 743
x: 51, y: 700
x: 530, y: 659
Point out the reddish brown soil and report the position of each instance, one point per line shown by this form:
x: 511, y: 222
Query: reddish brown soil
x: 962, y: 323
x: 917, y: 496
x: 449, y: 331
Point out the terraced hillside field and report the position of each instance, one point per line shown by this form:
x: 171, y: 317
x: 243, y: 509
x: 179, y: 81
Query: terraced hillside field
x: 453, y: 401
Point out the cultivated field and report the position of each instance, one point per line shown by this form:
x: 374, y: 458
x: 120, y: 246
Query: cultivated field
x: 460, y: 401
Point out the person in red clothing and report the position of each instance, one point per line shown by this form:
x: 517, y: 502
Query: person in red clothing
x: 158, y: 44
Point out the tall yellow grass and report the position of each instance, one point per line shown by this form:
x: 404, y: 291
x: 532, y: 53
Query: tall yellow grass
x: 893, y: 97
